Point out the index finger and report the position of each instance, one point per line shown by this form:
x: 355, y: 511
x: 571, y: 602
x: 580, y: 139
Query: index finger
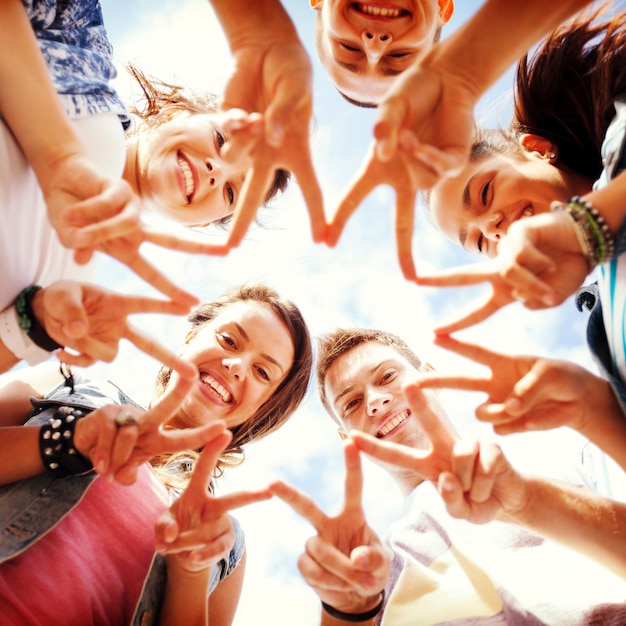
x: 477, y: 314
x: 204, y: 466
x: 300, y: 503
x: 354, y: 476
x: 393, y: 453
x: 169, y: 402
x: 462, y: 276
x: 405, y: 220
x: 312, y: 194
x: 358, y: 189
x: 468, y: 350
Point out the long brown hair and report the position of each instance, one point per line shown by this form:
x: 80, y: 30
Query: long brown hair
x: 162, y: 101
x: 289, y: 394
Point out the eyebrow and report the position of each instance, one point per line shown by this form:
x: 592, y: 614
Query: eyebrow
x: 267, y: 357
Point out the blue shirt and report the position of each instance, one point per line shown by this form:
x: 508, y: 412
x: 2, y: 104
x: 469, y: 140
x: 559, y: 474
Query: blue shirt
x: 78, y: 53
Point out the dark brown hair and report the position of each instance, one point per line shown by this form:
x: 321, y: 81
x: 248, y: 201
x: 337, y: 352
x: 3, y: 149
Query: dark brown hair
x: 565, y: 90
x: 291, y: 391
x: 162, y: 101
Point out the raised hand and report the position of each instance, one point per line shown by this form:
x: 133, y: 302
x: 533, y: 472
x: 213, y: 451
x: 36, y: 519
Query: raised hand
x: 345, y: 563
x: 92, y: 320
x: 423, y: 132
x: 474, y: 478
x: 527, y: 392
x: 119, y: 439
x: 196, y: 530
x: 272, y: 76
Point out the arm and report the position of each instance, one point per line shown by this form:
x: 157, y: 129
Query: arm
x: 481, y: 485
x: 345, y: 563
x: 194, y: 534
x: 425, y: 122
x: 272, y: 76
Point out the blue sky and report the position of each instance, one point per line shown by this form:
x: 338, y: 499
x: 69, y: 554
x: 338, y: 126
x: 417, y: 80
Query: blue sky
x: 357, y: 283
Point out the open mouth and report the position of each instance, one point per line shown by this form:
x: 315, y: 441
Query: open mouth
x: 185, y: 168
x: 374, y: 10
x: 218, y: 389
x: 392, y: 424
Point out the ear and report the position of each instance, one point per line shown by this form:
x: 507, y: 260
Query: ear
x: 316, y: 4
x: 541, y: 146
x: 446, y: 9
x: 190, y: 335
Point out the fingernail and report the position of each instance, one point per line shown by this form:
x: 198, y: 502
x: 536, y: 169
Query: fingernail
x: 276, y: 133
x: 512, y: 405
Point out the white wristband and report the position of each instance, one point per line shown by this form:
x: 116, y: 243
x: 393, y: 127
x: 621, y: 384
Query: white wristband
x: 17, y: 341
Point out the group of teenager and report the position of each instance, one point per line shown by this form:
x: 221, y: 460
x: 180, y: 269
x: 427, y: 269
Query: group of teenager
x: 109, y: 513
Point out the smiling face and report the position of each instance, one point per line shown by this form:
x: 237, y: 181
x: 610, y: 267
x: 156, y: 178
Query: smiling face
x: 476, y: 208
x: 364, y: 45
x: 364, y: 389
x: 242, y: 356
x: 180, y: 172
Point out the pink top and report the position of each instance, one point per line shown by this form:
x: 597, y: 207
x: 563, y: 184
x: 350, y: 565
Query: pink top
x: 90, y: 568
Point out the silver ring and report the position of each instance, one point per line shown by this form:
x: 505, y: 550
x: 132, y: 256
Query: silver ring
x: 124, y: 418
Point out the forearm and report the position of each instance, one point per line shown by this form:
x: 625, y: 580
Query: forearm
x: 611, y: 202
x: 244, y: 20
x: 578, y: 519
x: 605, y: 421
x: 500, y: 33
x: 185, y: 600
x: 19, y: 454
x: 31, y: 106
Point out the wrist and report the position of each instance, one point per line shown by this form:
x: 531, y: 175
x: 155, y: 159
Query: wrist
x: 364, y: 612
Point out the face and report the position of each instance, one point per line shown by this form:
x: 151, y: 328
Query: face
x: 242, y: 357
x: 364, y: 45
x: 477, y: 207
x: 182, y: 174
x: 364, y: 387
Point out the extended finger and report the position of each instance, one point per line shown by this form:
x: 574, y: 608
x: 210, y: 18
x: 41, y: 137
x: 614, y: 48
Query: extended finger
x: 358, y: 189
x: 124, y: 224
x: 392, y: 112
x: 468, y: 350
x: 465, y: 383
x: 170, y: 401
x: 312, y: 193
x: 300, y: 503
x: 405, y: 220
x: 143, y: 304
x: 204, y: 466
x: 157, y: 279
x: 251, y: 197
x: 354, y: 476
x: 461, y: 276
x: 153, y: 348
x: 401, y: 456
x: 474, y: 316
x: 464, y: 458
x: 429, y: 419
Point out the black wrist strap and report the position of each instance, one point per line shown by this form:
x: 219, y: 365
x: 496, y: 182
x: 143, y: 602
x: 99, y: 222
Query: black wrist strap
x: 29, y: 323
x: 355, y: 617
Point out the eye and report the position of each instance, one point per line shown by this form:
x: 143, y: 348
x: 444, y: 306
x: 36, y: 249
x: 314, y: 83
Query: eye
x: 480, y: 242
x: 345, y: 46
x: 352, y: 404
x: 397, y: 55
x: 484, y: 193
x: 230, y: 193
x: 263, y: 374
x: 387, y: 376
x: 224, y: 338
x: 220, y: 140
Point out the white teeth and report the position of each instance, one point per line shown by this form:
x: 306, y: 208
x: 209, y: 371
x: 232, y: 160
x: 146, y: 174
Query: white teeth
x: 188, y: 176
x: 391, y: 424
x: 207, y: 379
x: 378, y: 11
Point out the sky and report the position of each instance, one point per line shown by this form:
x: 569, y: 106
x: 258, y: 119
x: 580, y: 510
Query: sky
x: 358, y: 283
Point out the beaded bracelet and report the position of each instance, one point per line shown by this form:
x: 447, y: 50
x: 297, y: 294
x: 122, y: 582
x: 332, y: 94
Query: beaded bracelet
x: 56, y: 442
x: 29, y: 323
x: 595, y: 238
x: 355, y: 617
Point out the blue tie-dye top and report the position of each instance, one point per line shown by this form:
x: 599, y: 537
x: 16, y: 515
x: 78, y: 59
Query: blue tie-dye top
x: 78, y: 53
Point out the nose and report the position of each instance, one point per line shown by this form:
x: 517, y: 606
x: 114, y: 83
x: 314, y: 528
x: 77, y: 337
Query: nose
x: 376, y: 401
x: 493, y: 225
x: 375, y: 44
x: 215, y: 173
x: 235, y: 367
